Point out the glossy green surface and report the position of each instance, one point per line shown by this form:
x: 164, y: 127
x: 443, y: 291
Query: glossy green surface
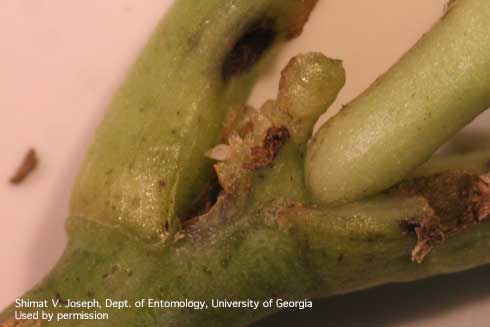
x: 434, y: 90
x: 309, y: 85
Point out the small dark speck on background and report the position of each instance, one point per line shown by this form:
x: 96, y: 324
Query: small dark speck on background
x: 26, y: 167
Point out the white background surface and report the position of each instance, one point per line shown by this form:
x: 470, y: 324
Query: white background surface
x: 60, y: 62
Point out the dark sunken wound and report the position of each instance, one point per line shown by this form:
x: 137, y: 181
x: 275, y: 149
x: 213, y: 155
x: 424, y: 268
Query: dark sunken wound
x: 258, y: 37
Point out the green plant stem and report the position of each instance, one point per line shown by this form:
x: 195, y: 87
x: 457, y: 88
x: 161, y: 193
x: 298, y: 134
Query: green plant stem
x: 274, y: 251
x: 439, y: 86
x: 146, y: 166
x: 263, y: 239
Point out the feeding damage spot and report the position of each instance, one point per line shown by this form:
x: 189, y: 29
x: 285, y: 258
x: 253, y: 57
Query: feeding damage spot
x: 26, y: 167
x: 456, y: 201
x: 161, y: 183
x: 263, y: 156
x: 202, y: 200
x: 429, y: 233
x: 247, y: 51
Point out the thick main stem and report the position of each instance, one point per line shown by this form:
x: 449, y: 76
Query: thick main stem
x: 147, y: 164
x: 278, y: 251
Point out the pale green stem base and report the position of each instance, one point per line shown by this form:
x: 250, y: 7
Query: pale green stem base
x: 275, y: 251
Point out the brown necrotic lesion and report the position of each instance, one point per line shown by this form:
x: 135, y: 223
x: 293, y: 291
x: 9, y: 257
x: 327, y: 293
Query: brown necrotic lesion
x: 455, y: 200
x: 249, y: 48
x: 264, y: 155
